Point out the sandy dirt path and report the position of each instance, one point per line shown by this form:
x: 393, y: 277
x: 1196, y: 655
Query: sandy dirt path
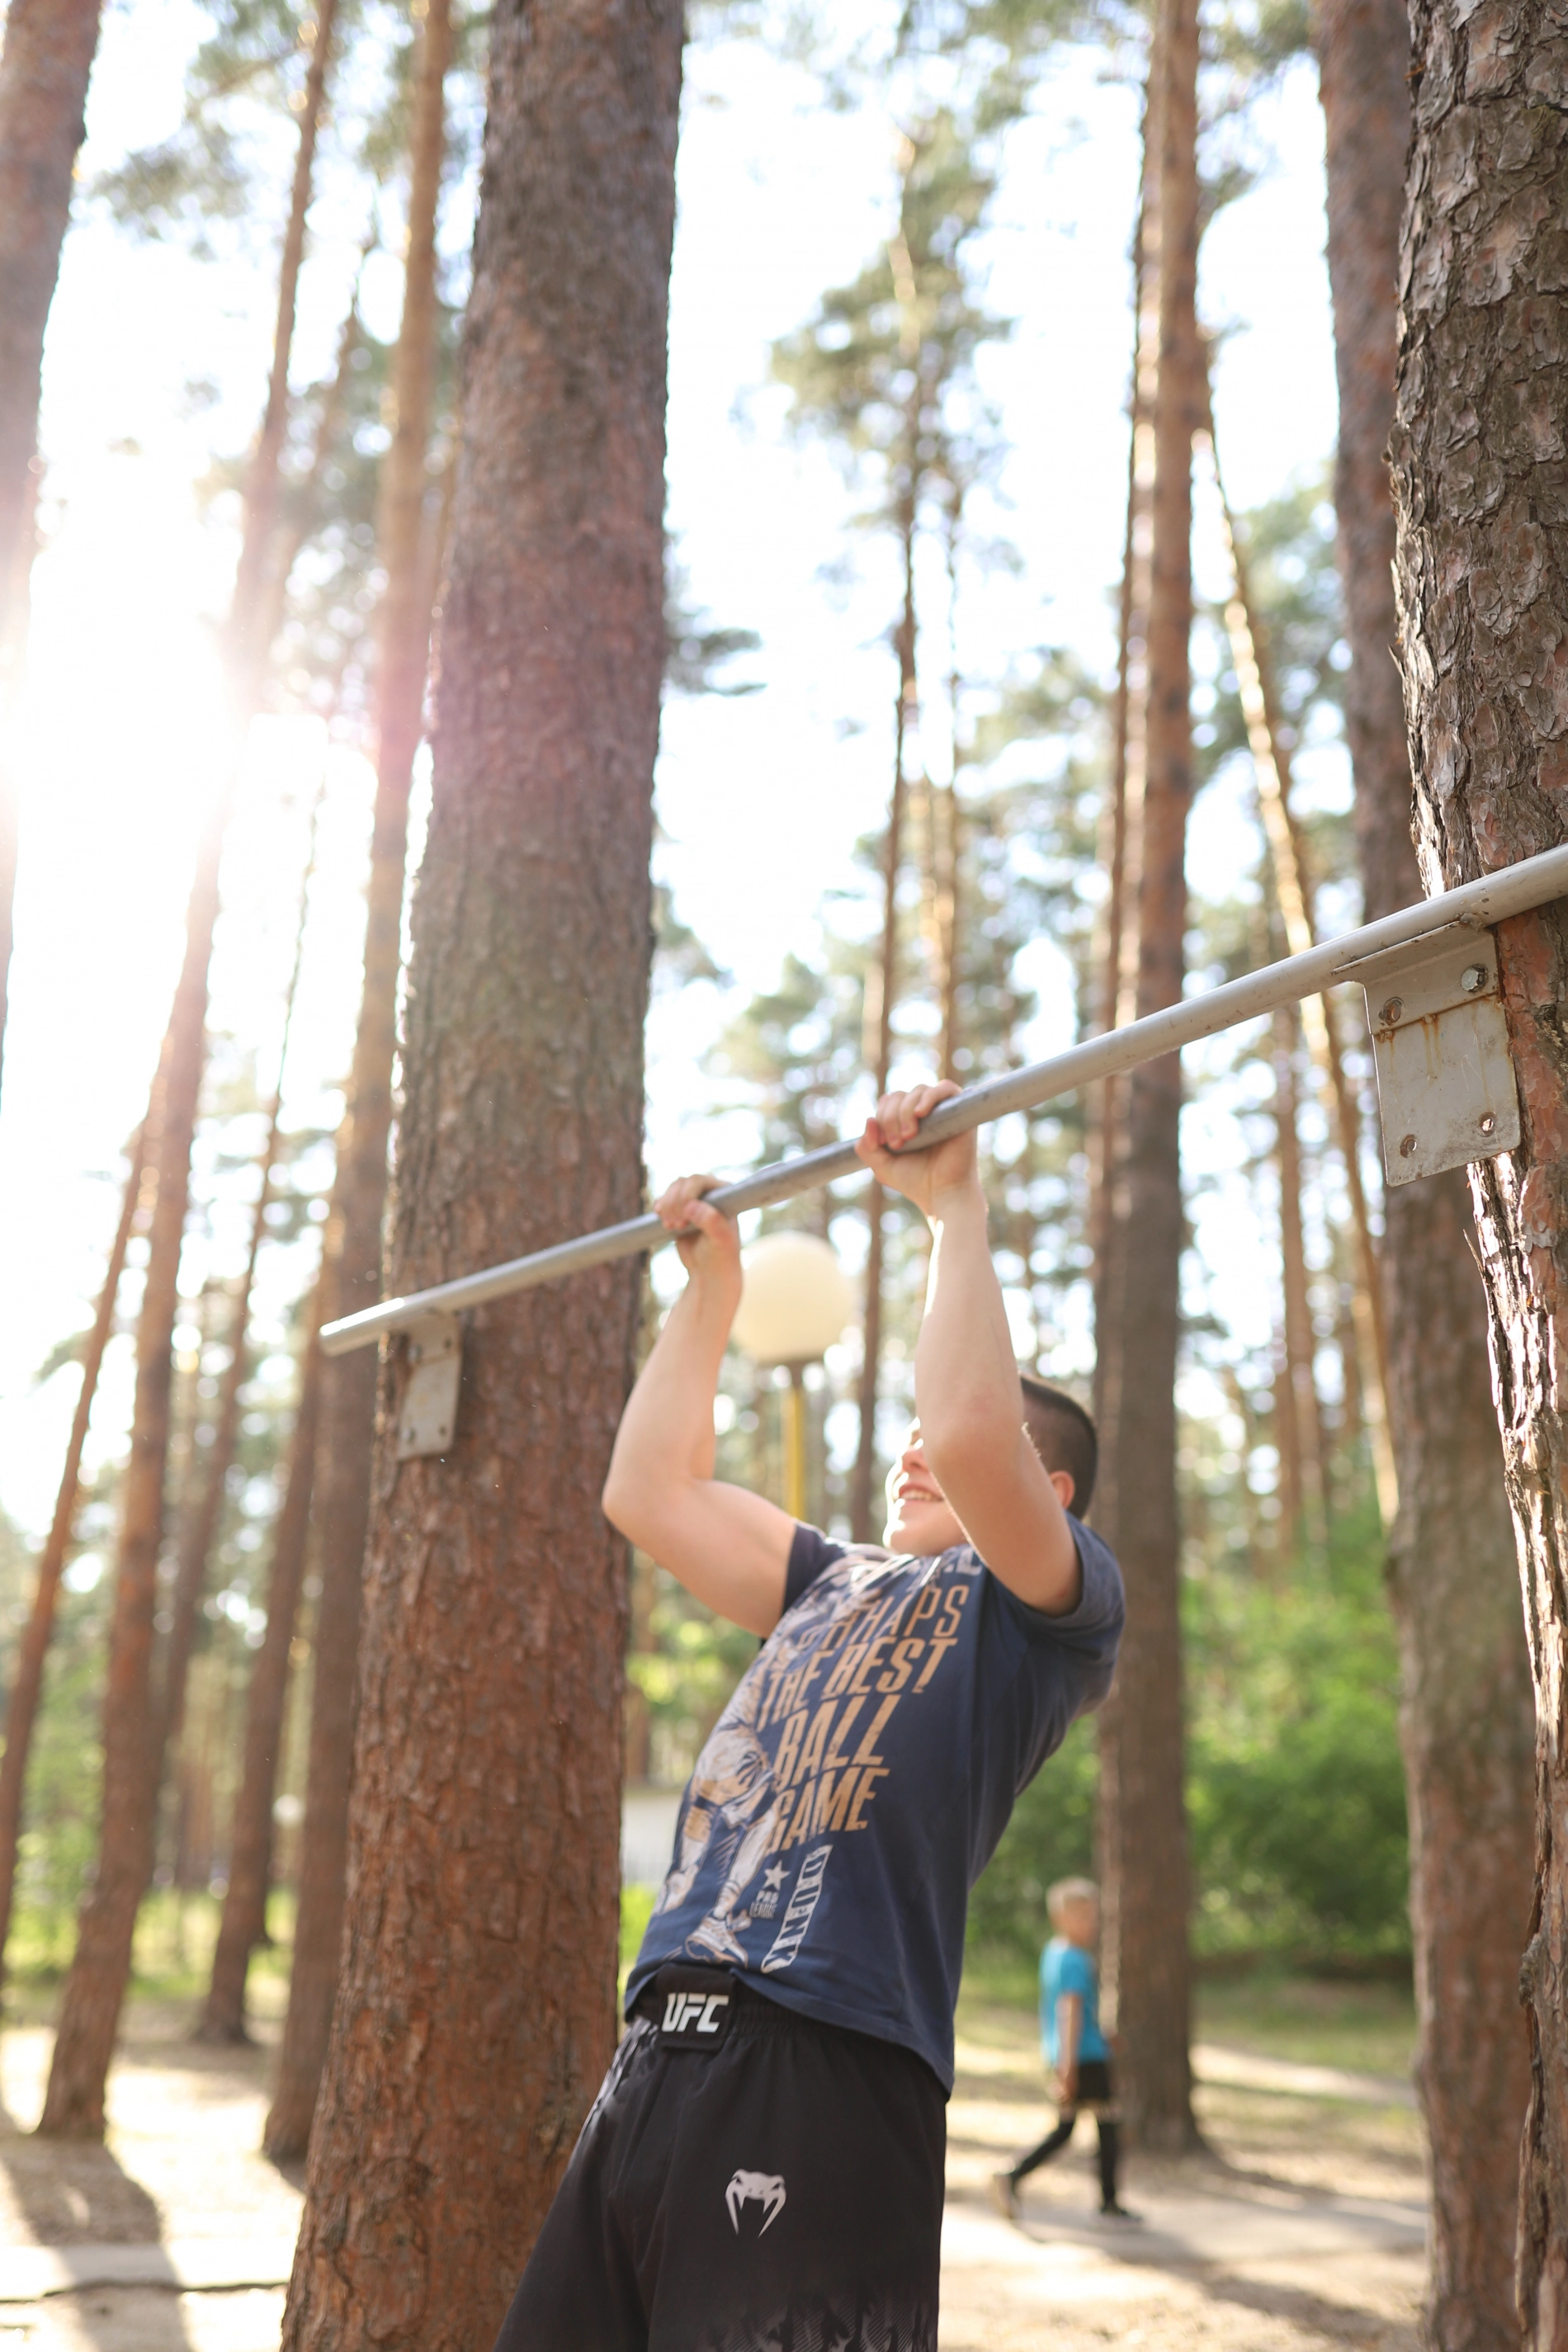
x: 1304, y: 2229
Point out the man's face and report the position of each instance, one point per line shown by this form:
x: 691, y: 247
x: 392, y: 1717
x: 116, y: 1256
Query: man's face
x: 920, y: 1519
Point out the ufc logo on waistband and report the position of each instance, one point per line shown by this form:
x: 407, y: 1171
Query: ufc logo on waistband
x: 688, y: 2014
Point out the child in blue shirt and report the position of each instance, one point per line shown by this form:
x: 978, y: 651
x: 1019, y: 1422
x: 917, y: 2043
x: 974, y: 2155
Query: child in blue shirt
x: 1075, y: 2049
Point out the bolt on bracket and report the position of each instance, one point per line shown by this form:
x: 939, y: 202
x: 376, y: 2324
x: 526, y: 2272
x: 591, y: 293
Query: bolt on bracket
x: 429, y: 1414
x: 1444, y: 1076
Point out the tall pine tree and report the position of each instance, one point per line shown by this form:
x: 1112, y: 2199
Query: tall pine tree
x: 481, y: 1941
x: 44, y: 68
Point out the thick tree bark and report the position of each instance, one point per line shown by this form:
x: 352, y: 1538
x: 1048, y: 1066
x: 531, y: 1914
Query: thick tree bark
x: 1468, y: 1733
x: 44, y: 69
x: 100, y: 1968
x: 243, y: 1924
x: 349, y: 1382
x: 1142, y: 1815
x: 22, y: 1709
x: 477, y: 2010
x: 1467, y: 1726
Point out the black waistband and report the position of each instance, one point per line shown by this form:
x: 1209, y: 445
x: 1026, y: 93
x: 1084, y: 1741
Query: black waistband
x: 749, y: 2011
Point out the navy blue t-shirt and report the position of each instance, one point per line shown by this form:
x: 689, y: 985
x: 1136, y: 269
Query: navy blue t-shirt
x: 856, y: 1786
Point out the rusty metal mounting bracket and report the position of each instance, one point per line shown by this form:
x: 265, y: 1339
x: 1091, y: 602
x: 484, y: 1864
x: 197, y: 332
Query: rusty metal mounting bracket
x: 429, y: 1414
x: 1439, y: 1038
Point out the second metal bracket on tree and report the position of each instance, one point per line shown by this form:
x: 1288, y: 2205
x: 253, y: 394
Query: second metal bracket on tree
x: 1445, y: 1086
x: 428, y: 1413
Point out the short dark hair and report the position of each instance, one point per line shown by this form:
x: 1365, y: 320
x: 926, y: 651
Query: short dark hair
x: 1063, y: 1436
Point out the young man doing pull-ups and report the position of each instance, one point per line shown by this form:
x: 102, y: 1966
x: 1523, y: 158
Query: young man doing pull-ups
x: 763, y: 2168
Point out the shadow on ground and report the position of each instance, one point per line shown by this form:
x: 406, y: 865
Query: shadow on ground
x: 1339, y: 2323
x: 72, y: 2192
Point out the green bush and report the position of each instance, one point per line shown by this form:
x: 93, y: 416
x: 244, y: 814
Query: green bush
x: 58, y: 1843
x: 1050, y: 1836
x: 1295, y: 1787
x: 1295, y: 1790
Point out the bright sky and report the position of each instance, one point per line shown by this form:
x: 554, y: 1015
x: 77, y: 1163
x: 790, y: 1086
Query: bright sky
x: 761, y: 799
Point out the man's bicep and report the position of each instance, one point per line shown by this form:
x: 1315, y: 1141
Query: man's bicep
x: 1009, y: 1511
x: 729, y: 1547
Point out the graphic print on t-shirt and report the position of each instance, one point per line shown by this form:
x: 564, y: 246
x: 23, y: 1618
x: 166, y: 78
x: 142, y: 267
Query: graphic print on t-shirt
x: 857, y: 1783
x: 873, y: 1631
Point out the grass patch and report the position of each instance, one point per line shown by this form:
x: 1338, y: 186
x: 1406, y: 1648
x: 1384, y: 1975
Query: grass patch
x: 1318, y: 2021
x: 1001, y: 1977
x: 1368, y: 2028
x: 171, y: 1958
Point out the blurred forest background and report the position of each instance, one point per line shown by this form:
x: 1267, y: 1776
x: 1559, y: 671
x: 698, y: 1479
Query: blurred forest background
x: 1007, y: 746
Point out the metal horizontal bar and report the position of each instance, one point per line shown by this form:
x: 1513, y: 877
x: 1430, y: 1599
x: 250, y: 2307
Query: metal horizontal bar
x: 1533, y: 882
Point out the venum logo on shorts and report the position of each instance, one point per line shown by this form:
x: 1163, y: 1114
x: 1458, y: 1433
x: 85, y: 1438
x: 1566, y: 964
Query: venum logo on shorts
x: 766, y: 2188
x: 797, y: 1917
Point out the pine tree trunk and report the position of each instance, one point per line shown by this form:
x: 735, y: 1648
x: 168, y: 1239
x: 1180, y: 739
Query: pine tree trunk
x: 1468, y: 1733
x: 1294, y: 893
x: 244, y: 1918
x: 1122, y: 822
x: 1143, y: 1815
x: 253, y: 609
x: 47, y: 56
x: 100, y: 1968
x: 21, y: 1712
x: 1306, y: 1507
x: 1110, y: 920
x: 349, y: 1382
x: 947, y: 828
x: 291, y: 542
x: 478, y: 2007
x: 243, y: 1924
x: 1363, y: 53
x: 200, y: 1531
x: 863, y: 1481
x: 1467, y: 1726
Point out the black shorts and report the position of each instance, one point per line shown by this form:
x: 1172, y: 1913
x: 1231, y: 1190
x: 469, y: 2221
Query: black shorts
x: 1095, y: 2088
x: 777, y: 2187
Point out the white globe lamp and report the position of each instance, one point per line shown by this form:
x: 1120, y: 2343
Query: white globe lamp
x: 796, y: 1302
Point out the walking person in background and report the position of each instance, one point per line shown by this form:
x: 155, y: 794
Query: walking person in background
x: 1076, y: 2050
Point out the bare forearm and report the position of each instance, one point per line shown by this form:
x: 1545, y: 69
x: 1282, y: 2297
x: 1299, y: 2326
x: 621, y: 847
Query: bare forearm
x: 971, y: 1418
x: 728, y: 1548
x: 966, y: 1375
x: 1069, y: 2011
x: 667, y: 1425
x: 966, y: 1378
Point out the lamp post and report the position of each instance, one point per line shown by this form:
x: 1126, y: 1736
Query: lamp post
x: 797, y: 1301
